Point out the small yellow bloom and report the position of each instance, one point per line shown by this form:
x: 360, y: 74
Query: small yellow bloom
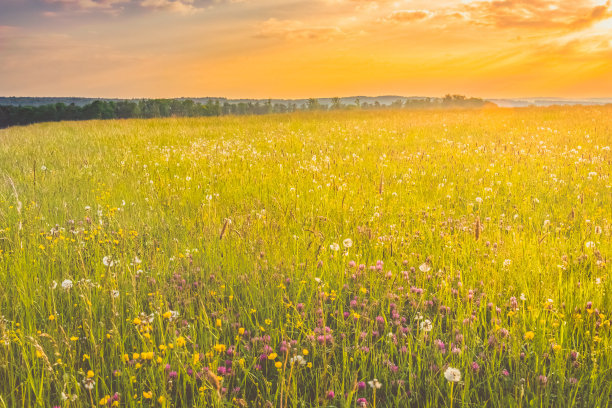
x: 278, y: 364
x: 90, y: 374
x: 161, y: 399
x: 305, y: 352
x: 147, y: 394
x: 272, y: 356
x: 180, y: 341
x: 137, y: 321
x: 556, y: 347
x: 51, y: 317
x: 104, y: 400
x: 135, y: 356
x: 73, y: 338
x: 241, y: 331
x: 38, y: 354
x: 218, y: 323
x: 167, y: 315
x: 529, y: 335
x: 268, y: 322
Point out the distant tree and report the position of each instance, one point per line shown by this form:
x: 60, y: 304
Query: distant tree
x: 313, y: 104
x: 336, y: 103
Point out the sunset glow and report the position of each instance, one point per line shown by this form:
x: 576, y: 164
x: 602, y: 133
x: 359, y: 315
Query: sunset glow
x: 320, y: 48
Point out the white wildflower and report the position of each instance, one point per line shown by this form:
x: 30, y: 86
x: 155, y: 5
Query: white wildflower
x: 452, y: 374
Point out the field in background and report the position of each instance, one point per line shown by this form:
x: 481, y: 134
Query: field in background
x: 291, y: 260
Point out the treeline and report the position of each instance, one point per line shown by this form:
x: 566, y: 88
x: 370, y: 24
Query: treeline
x: 163, y: 108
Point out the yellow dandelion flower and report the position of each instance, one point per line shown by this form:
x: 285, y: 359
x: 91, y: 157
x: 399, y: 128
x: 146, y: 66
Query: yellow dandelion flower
x: 529, y: 335
x: 90, y: 374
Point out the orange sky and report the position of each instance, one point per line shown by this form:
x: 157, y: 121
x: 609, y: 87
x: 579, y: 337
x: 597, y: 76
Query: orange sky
x: 315, y: 48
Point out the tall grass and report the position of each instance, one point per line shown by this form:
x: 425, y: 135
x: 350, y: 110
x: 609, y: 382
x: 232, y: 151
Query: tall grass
x: 290, y: 260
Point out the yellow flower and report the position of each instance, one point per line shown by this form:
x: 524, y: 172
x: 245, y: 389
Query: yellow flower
x: 162, y: 347
x: 85, y: 357
x: 104, y: 400
x: 147, y: 394
x: 529, y: 335
x: 272, y: 356
x: 51, y: 317
x: 90, y: 374
x: 268, y: 322
x: 137, y: 321
x: 278, y: 364
x: 218, y: 323
x: 135, y: 356
x: 74, y: 338
x: 180, y: 341
x: 241, y: 331
x: 38, y: 354
x: 167, y: 315
x: 305, y: 352
x: 126, y: 358
x: 161, y: 399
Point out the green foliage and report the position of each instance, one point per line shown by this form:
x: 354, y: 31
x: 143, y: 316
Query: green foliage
x: 140, y: 257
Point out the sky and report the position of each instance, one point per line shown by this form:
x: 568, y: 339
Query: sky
x: 301, y: 49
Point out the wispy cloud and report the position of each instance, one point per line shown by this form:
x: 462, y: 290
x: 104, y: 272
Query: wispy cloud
x: 538, y: 14
x: 79, y: 5
x: 177, y: 6
x: 297, y: 30
x: 404, y: 16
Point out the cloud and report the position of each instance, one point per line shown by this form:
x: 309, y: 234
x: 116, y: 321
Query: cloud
x: 116, y: 6
x: 404, y: 16
x: 177, y: 6
x: 296, y: 30
x: 88, y: 4
x: 538, y: 14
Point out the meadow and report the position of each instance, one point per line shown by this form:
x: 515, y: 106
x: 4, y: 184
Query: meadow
x: 431, y: 258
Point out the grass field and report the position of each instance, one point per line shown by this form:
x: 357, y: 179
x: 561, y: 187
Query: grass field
x: 349, y: 259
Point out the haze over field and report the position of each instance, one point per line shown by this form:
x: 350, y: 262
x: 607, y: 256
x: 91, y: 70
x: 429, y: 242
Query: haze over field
x: 301, y: 49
